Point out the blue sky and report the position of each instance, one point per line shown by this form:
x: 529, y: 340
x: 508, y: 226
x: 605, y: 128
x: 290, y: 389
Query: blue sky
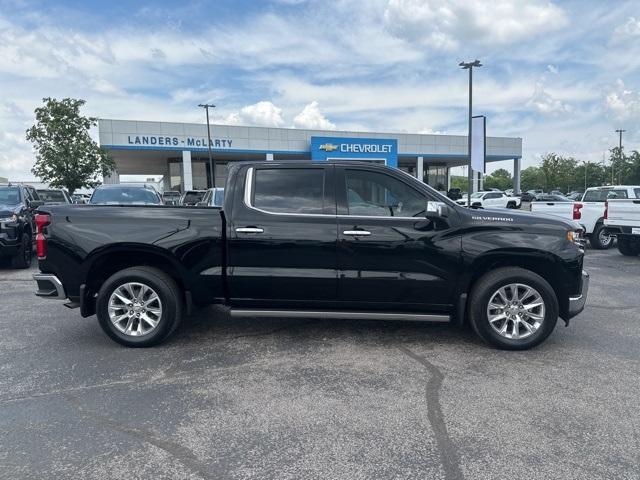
x: 561, y: 75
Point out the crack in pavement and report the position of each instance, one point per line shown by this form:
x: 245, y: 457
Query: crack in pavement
x: 183, y: 454
x: 448, y: 452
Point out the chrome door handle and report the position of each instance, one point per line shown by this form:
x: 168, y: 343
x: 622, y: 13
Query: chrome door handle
x: 356, y: 233
x: 249, y: 230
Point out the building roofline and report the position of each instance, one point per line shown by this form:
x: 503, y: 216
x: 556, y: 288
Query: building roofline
x: 325, y: 133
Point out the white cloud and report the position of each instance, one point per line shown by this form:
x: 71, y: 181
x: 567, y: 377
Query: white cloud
x: 263, y: 114
x: 543, y: 102
x: 451, y: 24
x: 629, y: 29
x: 312, y: 118
x: 623, y: 106
x: 552, y: 69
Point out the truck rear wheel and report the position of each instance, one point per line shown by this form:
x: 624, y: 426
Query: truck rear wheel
x: 513, y: 309
x: 599, y: 239
x: 627, y: 248
x: 139, y: 306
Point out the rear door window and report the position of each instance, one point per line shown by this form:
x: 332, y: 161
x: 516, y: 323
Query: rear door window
x: 603, y: 195
x: 290, y: 190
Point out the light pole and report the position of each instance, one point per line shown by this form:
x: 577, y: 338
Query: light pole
x: 469, y: 66
x: 212, y: 165
x: 620, y: 132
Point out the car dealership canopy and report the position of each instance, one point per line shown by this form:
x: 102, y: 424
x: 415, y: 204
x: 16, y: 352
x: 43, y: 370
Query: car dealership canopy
x: 178, y: 151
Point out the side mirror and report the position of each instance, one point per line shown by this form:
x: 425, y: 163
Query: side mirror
x: 436, y: 210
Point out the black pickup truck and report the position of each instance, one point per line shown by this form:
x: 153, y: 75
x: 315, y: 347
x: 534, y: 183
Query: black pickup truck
x: 18, y: 204
x: 314, y: 239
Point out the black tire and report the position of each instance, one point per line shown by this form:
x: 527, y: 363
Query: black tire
x: 167, y: 290
x: 24, y: 256
x: 485, y: 288
x: 598, y: 239
x: 627, y: 248
x: 511, y: 205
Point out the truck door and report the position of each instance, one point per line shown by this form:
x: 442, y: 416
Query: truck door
x: 390, y: 257
x: 282, y: 237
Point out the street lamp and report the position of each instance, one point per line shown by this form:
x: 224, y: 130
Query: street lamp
x: 212, y: 165
x: 469, y: 66
x: 620, y: 132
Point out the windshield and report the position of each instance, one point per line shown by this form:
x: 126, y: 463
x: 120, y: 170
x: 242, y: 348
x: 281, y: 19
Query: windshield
x: 52, y: 196
x: 477, y: 194
x: 171, y: 194
x: 9, y: 195
x: 603, y: 195
x: 193, y: 197
x: 125, y: 195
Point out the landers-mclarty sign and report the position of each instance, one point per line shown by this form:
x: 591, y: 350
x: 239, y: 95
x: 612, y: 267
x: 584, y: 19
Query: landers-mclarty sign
x: 163, y: 141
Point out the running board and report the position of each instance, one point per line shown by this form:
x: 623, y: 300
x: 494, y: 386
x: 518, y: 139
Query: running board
x: 330, y: 314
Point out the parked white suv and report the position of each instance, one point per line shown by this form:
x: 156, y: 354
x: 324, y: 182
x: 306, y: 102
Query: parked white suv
x: 589, y: 211
x: 491, y: 199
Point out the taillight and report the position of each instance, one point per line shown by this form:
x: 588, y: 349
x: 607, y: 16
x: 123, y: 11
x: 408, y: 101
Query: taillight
x: 42, y: 220
x: 577, y: 214
x: 606, y: 210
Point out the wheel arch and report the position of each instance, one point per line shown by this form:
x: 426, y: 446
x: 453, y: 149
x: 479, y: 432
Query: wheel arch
x: 103, y: 263
x: 545, y: 264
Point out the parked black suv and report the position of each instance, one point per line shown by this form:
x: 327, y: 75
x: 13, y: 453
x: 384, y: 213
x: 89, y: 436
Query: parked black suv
x: 17, y: 224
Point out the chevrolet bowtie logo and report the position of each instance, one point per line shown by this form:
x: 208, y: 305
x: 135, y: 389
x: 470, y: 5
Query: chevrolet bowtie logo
x: 328, y: 147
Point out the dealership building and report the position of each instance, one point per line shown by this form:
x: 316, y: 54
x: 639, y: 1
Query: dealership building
x: 178, y: 151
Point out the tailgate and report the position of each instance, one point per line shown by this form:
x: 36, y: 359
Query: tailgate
x: 623, y: 213
x: 561, y: 209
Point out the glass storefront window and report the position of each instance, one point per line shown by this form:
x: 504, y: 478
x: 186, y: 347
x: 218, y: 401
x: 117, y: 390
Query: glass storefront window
x: 436, y: 177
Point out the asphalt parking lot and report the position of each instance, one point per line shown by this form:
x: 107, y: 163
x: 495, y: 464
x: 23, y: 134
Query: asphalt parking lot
x: 297, y: 399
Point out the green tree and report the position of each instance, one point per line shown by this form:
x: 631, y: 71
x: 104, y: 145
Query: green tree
x: 500, y: 179
x: 458, y: 181
x: 66, y: 155
x: 626, y: 168
x: 557, y: 171
x: 531, y: 178
x: 595, y: 176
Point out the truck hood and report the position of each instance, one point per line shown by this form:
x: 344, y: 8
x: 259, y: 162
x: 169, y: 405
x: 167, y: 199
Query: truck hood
x: 504, y: 215
x: 8, y: 210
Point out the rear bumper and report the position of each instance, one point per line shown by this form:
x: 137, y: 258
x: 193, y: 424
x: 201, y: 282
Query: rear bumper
x: 577, y: 302
x: 49, y: 286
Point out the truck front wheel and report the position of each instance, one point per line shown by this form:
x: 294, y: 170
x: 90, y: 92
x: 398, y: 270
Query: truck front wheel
x: 139, y: 306
x: 24, y: 255
x: 512, y: 308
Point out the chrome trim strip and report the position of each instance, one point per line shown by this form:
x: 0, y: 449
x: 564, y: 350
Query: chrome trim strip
x: 330, y: 314
x: 60, y: 294
x: 357, y: 233
x: 249, y: 230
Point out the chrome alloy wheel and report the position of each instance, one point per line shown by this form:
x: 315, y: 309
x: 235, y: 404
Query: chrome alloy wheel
x: 135, y: 309
x: 516, y: 311
x: 604, y: 239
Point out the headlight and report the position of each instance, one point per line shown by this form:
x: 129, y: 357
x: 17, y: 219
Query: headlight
x: 11, y: 219
x: 577, y: 237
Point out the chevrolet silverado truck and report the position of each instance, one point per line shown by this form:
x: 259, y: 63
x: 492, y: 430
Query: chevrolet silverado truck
x: 622, y: 220
x: 350, y: 240
x: 589, y: 211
